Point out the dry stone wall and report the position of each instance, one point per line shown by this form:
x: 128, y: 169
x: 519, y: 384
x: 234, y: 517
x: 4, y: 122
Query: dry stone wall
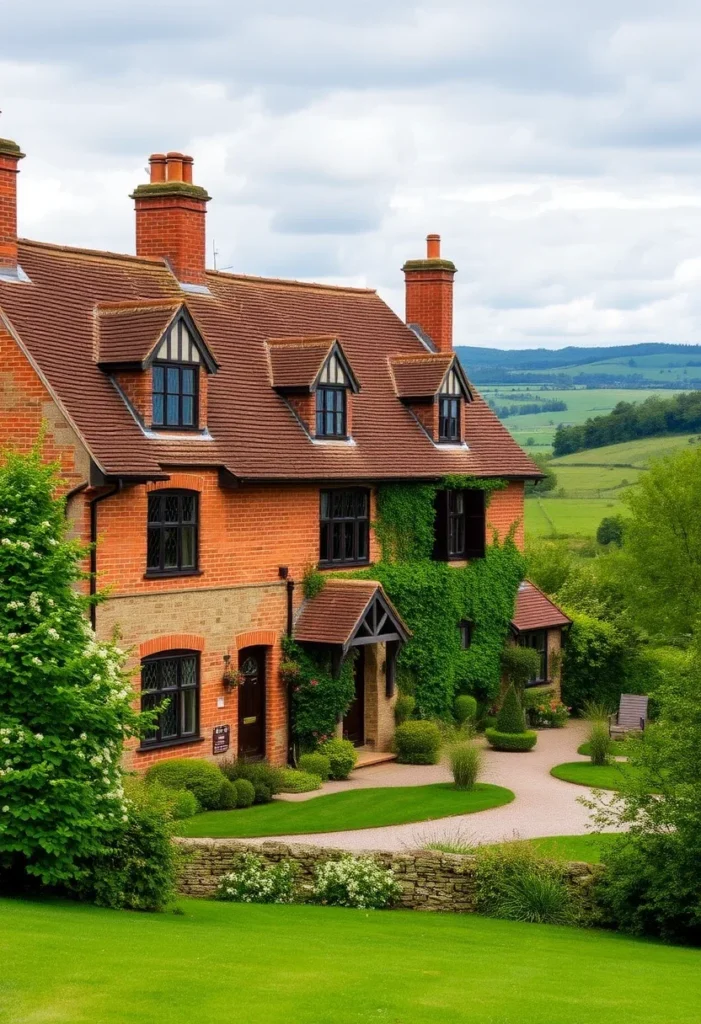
x: 429, y: 880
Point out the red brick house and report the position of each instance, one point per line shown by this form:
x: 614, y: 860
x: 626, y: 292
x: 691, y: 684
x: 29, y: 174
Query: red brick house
x: 219, y: 434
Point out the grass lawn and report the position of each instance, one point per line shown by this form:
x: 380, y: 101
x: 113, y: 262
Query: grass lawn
x: 591, y: 849
x: 619, y: 748
x: 598, y: 776
x: 75, y: 964
x: 567, y: 517
x: 352, y: 809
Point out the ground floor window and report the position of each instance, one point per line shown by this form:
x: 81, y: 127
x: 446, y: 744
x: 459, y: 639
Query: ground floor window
x: 172, y: 677
x: 537, y: 639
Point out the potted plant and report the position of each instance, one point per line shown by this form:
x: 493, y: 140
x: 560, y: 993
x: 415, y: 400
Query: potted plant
x: 232, y: 677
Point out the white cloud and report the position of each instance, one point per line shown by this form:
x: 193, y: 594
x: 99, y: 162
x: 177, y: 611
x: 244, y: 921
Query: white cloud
x: 555, y: 146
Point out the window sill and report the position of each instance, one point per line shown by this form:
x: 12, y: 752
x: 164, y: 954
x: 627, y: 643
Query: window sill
x: 327, y: 566
x: 154, y: 574
x: 170, y: 743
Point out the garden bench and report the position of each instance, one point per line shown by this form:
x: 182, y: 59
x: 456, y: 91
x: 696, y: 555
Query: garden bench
x: 631, y: 715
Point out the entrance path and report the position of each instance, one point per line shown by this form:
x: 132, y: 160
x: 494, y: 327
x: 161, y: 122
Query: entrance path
x: 544, y: 806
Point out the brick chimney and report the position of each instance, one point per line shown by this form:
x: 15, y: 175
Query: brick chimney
x: 429, y: 294
x: 170, y: 217
x: 10, y: 157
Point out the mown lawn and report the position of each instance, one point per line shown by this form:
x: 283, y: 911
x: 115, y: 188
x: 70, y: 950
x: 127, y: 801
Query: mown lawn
x: 598, y: 776
x: 75, y: 964
x: 591, y: 848
x: 619, y: 748
x: 352, y: 809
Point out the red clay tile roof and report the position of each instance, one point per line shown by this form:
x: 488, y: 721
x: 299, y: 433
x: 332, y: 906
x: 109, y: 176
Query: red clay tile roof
x: 296, y: 362
x: 332, y: 617
x: 536, y: 611
x: 254, y: 434
x: 419, y: 376
x: 128, y: 331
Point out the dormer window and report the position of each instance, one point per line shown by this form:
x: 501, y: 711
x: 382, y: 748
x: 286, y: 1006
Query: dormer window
x: 175, y: 374
x: 449, y: 402
x: 331, y: 392
x: 317, y: 381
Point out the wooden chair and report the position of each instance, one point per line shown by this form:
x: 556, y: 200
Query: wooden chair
x: 631, y: 715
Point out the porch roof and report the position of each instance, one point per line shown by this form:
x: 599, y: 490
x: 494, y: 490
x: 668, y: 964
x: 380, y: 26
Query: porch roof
x: 536, y: 611
x: 350, y: 613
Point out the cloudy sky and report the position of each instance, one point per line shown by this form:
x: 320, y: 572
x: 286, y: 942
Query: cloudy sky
x: 555, y: 145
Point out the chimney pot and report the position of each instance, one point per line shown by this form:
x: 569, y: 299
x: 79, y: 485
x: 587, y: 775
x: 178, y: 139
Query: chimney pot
x: 187, y: 169
x: 157, y: 162
x: 174, y: 166
x: 433, y: 247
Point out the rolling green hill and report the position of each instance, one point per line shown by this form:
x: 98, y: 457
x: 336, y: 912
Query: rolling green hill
x: 590, y: 485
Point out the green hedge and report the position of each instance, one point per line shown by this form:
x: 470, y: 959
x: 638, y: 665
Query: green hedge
x: 417, y: 743
x: 200, y: 777
x: 511, y: 741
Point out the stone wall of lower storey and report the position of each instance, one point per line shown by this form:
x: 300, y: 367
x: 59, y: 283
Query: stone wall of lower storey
x: 429, y: 880
x: 214, y: 622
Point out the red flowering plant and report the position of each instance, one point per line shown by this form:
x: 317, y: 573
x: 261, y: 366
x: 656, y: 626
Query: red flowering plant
x: 551, y: 714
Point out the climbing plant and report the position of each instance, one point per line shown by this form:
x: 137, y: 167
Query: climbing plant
x: 320, y: 696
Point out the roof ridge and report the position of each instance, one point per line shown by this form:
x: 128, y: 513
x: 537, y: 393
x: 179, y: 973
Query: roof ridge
x: 283, y: 282
x: 421, y: 357
x: 104, y: 254
x: 301, y: 340
x: 109, y: 308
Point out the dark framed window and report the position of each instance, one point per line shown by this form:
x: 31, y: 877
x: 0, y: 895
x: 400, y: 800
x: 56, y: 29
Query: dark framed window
x: 459, y: 525
x: 174, y: 389
x: 344, y: 526
x: 449, y: 418
x: 172, y: 533
x: 537, y: 639
x: 171, y: 679
x: 465, y: 634
x: 330, y: 412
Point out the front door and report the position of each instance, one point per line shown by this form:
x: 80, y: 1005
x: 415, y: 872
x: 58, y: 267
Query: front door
x: 354, y: 719
x: 252, y: 703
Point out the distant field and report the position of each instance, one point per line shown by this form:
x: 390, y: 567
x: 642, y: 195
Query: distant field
x: 593, y: 483
x: 581, y: 404
x: 659, y: 366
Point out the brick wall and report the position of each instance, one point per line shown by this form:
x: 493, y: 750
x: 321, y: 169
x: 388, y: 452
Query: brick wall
x: 505, y: 508
x: 429, y: 303
x: 428, y: 880
x: 8, y: 203
x: 173, y: 227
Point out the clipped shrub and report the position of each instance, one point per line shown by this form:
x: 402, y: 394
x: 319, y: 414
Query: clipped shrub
x: 200, y: 777
x: 245, y: 793
x: 315, y: 764
x: 465, y: 764
x: 266, y: 778
x: 511, y: 717
x: 599, y: 743
x: 404, y: 708
x: 519, y: 665
x: 417, y: 743
x: 465, y: 709
x: 228, y: 798
x: 511, y: 741
x: 342, y: 756
x: 294, y: 781
x: 137, y: 867
x: 254, y: 882
x: 355, y: 882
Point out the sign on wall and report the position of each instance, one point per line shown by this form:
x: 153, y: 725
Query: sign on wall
x: 220, y: 739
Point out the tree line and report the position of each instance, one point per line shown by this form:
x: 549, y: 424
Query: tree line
x: 631, y: 420
x: 527, y: 408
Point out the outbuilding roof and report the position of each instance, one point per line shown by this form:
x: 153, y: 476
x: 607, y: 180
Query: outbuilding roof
x: 536, y: 611
x: 350, y: 610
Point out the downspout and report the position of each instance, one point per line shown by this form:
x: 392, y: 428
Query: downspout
x: 93, y: 548
x: 291, y: 754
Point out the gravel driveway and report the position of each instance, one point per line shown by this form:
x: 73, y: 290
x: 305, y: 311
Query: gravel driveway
x: 544, y: 806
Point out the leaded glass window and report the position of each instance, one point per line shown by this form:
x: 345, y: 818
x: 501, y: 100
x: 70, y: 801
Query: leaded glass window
x: 172, y: 532
x: 344, y: 526
x: 170, y: 682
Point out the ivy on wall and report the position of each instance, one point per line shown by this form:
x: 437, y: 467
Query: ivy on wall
x: 320, y: 696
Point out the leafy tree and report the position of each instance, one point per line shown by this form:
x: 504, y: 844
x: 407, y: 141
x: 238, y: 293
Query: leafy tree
x: 610, y: 531
x: 65, y: 701
x: 663, y: 546
x: 652, y: 883
x: 596, y: 663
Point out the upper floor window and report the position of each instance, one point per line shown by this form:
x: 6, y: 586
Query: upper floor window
x: 459, y: 525
x: 171, y: 679
x: 174, y: 380
x: 537, y: 640
x: 344, y: 526
x: 465, y: 634
x: 172, y: 532
x: 331, y: 412
x: 449, y: 402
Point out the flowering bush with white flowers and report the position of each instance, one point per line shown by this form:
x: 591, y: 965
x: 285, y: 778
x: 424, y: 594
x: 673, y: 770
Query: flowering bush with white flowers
x: 254, y: 882
x: 65, y: 700
x: 355, y: 882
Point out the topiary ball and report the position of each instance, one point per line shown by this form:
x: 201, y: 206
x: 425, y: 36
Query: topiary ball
x: 511, y: 741
x: 342, y: 756
x: 228, y: 797
x: 417, y: 742
x: 316, y: 764
x: 201, y: 777
x: 245, y: 793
